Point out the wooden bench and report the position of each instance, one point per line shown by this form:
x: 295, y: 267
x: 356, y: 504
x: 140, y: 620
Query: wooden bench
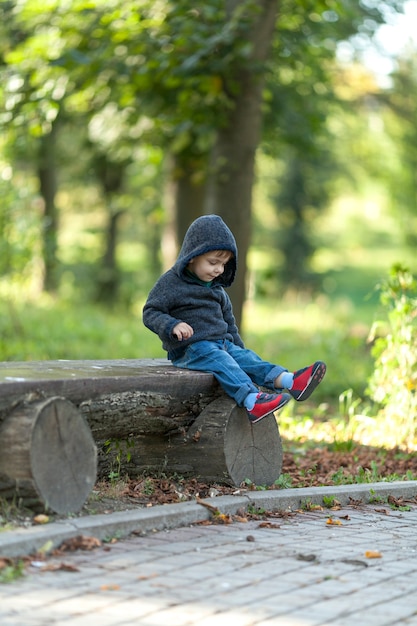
x: 65, y: 423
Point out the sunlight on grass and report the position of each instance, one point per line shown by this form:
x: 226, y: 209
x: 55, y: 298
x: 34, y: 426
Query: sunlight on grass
x: 323, y: 424
x: 56, y: 329
x: 297, y: 333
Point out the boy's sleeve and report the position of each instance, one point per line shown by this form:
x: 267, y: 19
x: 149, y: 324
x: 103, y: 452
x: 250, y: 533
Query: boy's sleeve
x: 231, y: 322
x: 155, y: 313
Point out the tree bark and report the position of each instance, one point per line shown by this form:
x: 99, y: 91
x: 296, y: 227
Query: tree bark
x: 48, y: 188
x: 189, y: 192
x: 108, y: 277
x: 219, y: 444
x: 111, y: 178
x: 230, y: 188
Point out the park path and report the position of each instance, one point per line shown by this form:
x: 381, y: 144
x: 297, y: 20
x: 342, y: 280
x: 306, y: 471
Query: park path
x: 320, y: 567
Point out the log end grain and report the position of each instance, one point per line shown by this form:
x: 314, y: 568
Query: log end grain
x: 253, y: 451
x: 49, y: 445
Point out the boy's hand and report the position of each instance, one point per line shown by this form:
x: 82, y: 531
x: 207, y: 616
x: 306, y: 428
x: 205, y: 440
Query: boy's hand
x: 182, y: 331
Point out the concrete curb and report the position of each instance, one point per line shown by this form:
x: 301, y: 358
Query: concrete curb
x: 24, y: 541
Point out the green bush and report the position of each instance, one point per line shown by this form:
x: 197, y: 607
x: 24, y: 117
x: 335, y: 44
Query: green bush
x: 394, y: 380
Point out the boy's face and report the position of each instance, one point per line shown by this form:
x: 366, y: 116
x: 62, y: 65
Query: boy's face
x: 210, y: 265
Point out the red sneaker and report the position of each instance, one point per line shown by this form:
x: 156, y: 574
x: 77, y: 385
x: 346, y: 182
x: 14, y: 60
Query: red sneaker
x: 267, y: 403
x: 306, y: 380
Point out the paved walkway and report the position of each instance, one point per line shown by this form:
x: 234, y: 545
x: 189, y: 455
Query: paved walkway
x: 290, y: 570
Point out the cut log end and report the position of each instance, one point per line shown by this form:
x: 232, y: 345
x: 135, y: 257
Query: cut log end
x: 48, y: 448
x: 222, y: 445
x: 253, y: 451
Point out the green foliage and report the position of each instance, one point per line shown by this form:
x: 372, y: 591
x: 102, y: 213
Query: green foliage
x: 393, y: 384
x: 329, y: 501
x: 348, y: 404
x: 400, y: 122
x: 19, y: 226
x: 283, y: 482
x: 13, y: 571
x: 121, y: 450
x: 307, y: 504
x: 254, y: 510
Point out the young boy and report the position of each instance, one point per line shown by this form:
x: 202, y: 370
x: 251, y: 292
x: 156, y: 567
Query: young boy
x: 190, y: 311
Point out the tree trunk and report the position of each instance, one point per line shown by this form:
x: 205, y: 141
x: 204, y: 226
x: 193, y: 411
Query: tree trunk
x: 294, y: 241
x: 48, y: 188
x: 230, y: 190
x: 108, y: 278
x: 47, y: 456
x: 111, y: 178
x: 189, y: 193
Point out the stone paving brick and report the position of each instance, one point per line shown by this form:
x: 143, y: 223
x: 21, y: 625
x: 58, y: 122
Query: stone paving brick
x: 304, y: 573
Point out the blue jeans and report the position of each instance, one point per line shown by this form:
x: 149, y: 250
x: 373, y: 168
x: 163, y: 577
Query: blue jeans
x: 237, y: 369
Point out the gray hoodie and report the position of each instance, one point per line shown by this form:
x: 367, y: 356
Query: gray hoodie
x: 178, y: 297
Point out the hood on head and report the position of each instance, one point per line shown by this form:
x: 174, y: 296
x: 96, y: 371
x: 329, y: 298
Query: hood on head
x: 207, y: 233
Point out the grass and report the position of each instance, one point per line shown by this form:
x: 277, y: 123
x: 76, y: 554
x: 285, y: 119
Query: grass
x: 13, y: 570
x: 51, y: 328
x: 60, y: 329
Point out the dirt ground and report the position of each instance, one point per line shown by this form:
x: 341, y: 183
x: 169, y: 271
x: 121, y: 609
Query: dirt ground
x: 301, y: 468
x: 307, y: 468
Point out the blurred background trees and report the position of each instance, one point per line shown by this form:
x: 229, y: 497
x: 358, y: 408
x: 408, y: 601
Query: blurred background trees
x: 123, y: 121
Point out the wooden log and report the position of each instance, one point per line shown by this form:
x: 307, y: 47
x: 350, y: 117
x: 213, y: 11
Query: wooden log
x: 47, y: 455
x: 224, y: 446
x: 80, y: 381
x: 220, y: 446
x: 145, y: 415
x: 138, y: 413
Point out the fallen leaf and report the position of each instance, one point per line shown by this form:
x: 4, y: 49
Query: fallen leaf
x: 306, y: 557
x: 355, y: 562
x: 47, y: 547
x: 41, y: 519
x: 109, y: 587
x: 334, y: 522
x: 224, y: 519
x: 268, y: 525
x: 81, y: 542
x: 208, y: 506
x: 396, y: 501
x: 56, y: 567
x: 383, y: 511
x: 373, y: 554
